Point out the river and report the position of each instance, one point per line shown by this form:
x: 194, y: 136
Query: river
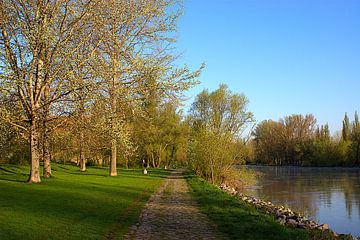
x: 328, y: 195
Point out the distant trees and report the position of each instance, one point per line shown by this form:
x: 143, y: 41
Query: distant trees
x: 296, y: 140
x: 284, y: 142
x: 355, y: 141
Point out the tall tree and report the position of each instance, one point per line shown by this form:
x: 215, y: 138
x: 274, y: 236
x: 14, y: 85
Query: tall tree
x: 346, y: 128
x: 136, y: 35
x: 355, y: 138
x: 40, y: 39
x: 217, y: 121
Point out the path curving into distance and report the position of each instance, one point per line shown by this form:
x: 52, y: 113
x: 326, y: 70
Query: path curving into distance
x: 172, y: 213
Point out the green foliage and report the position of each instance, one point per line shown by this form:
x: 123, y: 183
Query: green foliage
x: 295, y: 141
x: 72, y: 205
x: 346, y: 128
x: 161, y: 136
x: 212, y: 156
x: 237, y: 220
x: 13, y: 148
x: 217, y: 120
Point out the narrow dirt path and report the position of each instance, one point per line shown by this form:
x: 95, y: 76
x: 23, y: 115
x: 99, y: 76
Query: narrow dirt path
x: 172, y: 213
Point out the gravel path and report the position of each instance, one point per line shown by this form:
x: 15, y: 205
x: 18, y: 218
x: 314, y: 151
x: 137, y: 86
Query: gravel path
x: 172, y: 213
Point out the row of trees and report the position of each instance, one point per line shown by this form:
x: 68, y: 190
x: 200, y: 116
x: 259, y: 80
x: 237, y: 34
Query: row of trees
x: 297, y: 140
x: 85, y: 78
x: 209, y: 140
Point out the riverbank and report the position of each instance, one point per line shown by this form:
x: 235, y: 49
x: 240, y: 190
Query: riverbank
x: 245, y: 217
x: 329, y: 195
x: 238, y: 220
x: 286, y: 216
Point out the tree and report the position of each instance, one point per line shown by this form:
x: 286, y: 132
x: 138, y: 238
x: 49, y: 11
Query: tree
x: 221, y: 111
x: 355, y: 138
x: 268, y: 142
x: 217, y: 120
x: 286, y: 142
x: 136, y: 42
x: 40, y: 40
x: 346, y: 128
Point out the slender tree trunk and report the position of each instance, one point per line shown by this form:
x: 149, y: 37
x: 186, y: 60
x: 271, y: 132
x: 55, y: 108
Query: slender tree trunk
x: 113, y: 97
x: 34, y: 151
x: 153, y: 159
x: 82, y: 162
x: 113, y: 171
x: 45, y: 138
x: 212, y: 172
x: 82, y: 153
x: 46, y: 155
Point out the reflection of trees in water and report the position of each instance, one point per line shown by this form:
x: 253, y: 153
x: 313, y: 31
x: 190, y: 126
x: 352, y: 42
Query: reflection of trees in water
x: 304, y: 189
x: 351, y: 189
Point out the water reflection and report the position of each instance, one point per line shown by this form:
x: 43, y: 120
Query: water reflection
x: 329, y: 195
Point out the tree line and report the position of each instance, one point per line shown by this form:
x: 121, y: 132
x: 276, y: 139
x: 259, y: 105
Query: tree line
x: 90, y: 80
x: 297, y: 140
x: 95, y: 82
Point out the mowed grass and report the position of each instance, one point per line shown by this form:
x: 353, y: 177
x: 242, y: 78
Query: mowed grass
x: 71, y: 204
x: 236, y: 219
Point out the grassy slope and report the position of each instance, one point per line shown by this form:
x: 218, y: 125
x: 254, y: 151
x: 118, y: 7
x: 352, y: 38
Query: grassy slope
x: 72, y: 205
x: 235, y: 219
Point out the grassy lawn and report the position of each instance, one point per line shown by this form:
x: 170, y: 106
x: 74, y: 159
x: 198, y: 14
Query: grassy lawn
x: 72, y: 205
x: 236, y: 219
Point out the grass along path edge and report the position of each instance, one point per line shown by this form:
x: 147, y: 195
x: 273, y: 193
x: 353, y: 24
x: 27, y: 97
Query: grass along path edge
x: 73, y: 205
x: 235, y: 219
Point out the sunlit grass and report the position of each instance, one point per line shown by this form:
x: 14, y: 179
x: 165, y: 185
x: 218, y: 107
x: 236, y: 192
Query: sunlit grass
x: 72, y: 205
x: 236, y: 219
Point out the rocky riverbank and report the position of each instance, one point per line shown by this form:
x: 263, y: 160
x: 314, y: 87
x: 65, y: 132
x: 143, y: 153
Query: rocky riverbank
x: 286, y: 216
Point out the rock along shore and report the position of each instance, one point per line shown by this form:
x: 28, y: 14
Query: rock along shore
x: 285, y: 216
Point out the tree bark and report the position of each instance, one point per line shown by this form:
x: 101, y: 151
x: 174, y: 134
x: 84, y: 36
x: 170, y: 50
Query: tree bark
x: 46, y: 155
x: 113, y: 99
x: 46, y: 144
x: 113, y: 171
x: 34, y: 152
x: 81, y: 152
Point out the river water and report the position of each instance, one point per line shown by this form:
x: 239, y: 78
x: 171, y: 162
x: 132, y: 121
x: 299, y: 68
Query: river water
x: 328, y: 195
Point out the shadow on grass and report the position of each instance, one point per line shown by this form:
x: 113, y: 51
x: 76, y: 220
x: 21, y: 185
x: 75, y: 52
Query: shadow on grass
x: 71, y: 206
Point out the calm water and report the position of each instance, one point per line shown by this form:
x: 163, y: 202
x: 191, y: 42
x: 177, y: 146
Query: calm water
x: 328, y: 195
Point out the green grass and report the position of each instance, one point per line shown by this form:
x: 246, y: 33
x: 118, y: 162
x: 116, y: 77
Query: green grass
x: 71, y: 204
x: 236, y: 219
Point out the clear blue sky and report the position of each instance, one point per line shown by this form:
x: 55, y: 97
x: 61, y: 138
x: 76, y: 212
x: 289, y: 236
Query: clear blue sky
x: 286, y: 56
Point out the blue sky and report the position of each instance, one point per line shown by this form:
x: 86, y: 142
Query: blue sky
x: 286, y: 56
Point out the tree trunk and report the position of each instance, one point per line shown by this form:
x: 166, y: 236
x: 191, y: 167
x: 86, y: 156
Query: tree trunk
x: 212, y: 173
x: 34, y: 152
x: 46, y: 156
x: 82, y: 153
x: 153, y: 159
x: 82, y: 162
x: 113, y: 96
x: 45, y: 138
x: 113, y: 171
